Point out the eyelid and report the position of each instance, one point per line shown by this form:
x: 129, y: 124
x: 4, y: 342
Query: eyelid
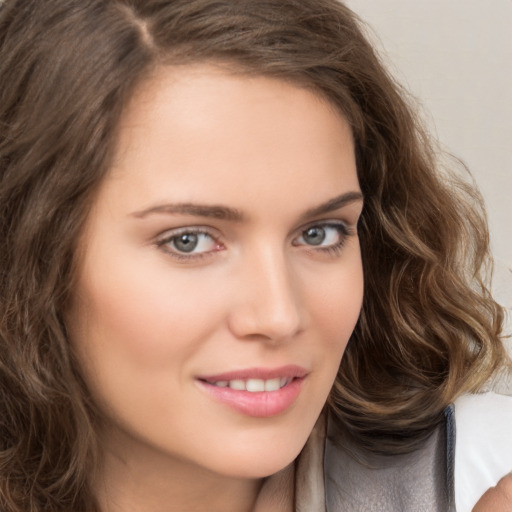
x: 187, y: 229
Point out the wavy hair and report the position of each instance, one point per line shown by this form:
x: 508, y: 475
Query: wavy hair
x: 429, y: 329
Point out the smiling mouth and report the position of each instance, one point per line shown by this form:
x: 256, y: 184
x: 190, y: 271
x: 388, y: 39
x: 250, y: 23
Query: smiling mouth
x: 253, y: 385
x: 257, y: 392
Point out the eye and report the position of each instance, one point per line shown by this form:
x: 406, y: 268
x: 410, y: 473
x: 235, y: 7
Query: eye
x: 324, y: 236
x: 188, y: 243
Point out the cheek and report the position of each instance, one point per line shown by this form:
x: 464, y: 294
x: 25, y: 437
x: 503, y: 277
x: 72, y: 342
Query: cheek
x: 135, y: 316
x: 338, y: 305
x: 136, y: 334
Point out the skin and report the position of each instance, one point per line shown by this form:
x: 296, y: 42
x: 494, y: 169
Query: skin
x: 498, y: 498
x: 147, y: 320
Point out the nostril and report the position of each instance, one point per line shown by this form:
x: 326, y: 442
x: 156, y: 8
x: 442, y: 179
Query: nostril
x: 258, y: 325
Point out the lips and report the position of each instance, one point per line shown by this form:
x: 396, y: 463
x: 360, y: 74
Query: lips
x: 257, y: 392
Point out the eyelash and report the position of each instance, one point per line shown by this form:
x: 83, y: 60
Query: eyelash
x: 343, y: 229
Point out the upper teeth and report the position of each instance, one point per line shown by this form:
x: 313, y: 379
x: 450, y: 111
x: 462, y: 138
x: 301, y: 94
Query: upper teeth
x: 254, y: 385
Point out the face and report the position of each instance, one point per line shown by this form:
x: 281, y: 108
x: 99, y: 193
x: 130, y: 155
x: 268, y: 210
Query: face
x: 221, y: 272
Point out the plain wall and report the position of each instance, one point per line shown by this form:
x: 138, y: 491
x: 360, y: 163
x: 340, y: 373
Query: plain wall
x: 455, y: 56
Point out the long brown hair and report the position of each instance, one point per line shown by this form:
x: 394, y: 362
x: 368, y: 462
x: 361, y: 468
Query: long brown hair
x: 429, y: 329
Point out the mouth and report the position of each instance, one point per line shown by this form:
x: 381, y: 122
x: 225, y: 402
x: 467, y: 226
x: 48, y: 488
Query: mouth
x: 256, y: 392
x: 253, y: 385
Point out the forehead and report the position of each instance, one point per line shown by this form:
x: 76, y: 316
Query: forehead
x: 205, y: 131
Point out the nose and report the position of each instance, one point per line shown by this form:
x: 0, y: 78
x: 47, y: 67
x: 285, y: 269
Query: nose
x: 267, y: 303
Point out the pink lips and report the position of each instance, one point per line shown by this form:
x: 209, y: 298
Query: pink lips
x: 261, y: 404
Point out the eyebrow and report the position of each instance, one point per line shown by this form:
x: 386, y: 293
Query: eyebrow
x: 235, y: 215
x: 334, y: 204
x: 196, y: 210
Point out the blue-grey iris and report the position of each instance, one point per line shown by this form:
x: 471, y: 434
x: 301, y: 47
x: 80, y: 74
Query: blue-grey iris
x: 314, y: 235
x: 186, y: 242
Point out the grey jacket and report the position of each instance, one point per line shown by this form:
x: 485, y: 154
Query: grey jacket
x: 329, y: 479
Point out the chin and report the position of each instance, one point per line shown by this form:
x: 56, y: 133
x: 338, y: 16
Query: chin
x: 260, y: 460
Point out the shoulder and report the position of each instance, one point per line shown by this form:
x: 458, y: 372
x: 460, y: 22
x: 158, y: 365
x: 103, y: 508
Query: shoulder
x: 483, y: 449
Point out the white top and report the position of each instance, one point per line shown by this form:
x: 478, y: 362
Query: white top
x: 483, y: 449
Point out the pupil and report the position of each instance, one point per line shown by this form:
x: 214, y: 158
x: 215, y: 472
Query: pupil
x: 314, y: 236
x: 186, y: 242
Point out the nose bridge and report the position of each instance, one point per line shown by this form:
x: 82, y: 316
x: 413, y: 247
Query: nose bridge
x: 269, y: 302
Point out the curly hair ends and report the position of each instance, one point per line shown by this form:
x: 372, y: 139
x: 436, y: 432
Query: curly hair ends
x: 429, y: 329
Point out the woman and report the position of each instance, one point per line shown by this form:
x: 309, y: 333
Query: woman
x: 191, y: 193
